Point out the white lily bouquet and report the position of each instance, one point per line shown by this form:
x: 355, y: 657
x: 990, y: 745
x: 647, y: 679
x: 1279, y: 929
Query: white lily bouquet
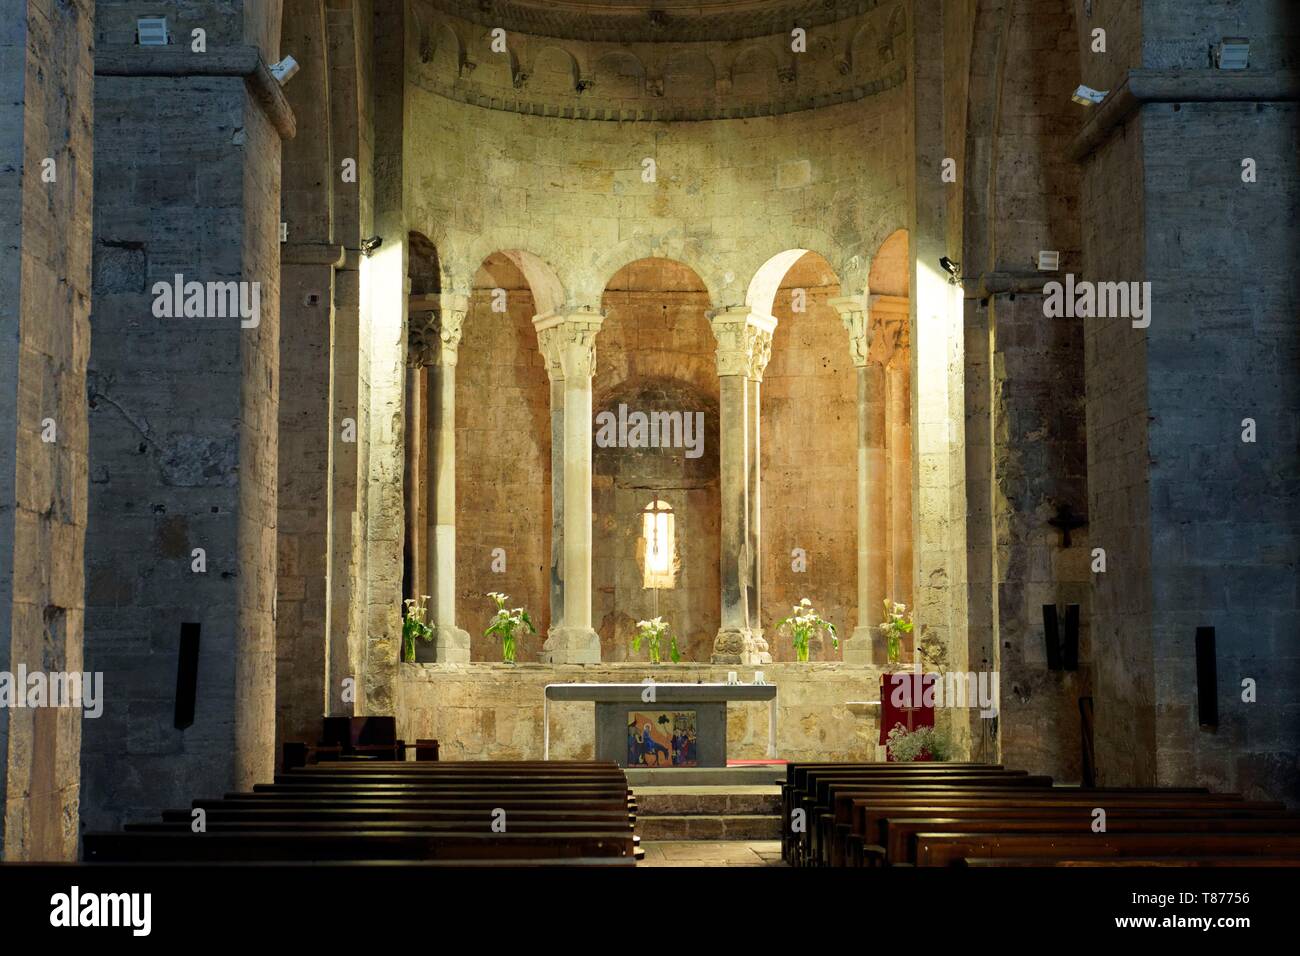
x: 803, y: 623
x: 415, y: 623
x: 895, y: 625
x: 652, y: 632
x: 504, y: 624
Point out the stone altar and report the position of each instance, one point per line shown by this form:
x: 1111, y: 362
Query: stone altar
x: 708, y: 702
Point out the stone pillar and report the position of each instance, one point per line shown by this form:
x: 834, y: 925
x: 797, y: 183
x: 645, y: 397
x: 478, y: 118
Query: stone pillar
x: 346, y: 534
x: 739, y: 333
x: 45, y: 297
x: 442, y: 341
x: 302, y: 617
x: 568, y: 341
x: 865, y: 646
x: 898, y: 415
x: 555, y: 372
x: 762, y: 352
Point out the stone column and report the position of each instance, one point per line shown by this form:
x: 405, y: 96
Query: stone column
x: 568, y: 341
x: 762, y: 352
x: 442, y: 341
x: 898, y: 413
x: 864, y: 646
x: 345, y: 533
x: 739, y: 332
x: 555, y: 371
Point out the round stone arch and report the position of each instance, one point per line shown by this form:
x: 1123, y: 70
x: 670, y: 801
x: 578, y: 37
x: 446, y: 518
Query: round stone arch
x: 589, y: 284
x: 761, y: 291
x: 857, y: 275
x: 461, y: 263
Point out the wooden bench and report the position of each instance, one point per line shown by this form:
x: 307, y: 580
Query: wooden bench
x: 399, y: 811
x: 862, y: 835
x: 825, y: 790
x: 874, y: 843
x: 945, y: 849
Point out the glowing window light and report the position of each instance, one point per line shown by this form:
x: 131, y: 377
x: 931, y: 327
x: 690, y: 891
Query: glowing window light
x: 657, y: 529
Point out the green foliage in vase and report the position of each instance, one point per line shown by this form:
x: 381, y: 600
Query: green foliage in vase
x: 803, y: 623
x: 415, y: 624
x: 895, y: 625
x: 504, y: 624
x: 652, y: 632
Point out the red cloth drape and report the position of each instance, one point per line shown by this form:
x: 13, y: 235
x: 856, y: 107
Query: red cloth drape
x: 903, y: 701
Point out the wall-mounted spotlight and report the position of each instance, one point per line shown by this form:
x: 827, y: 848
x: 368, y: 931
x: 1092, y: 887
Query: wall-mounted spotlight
x: 1232, y: 53
x: 1087, y: 96
x: 952, y: 268
x: 151, y: 31
x: 284, y: 70
x: 370, y: 245
x: 1048, y: 261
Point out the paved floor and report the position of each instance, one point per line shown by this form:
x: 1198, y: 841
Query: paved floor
x: 711, y: 853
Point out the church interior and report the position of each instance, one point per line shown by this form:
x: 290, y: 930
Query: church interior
x: 542, y: 403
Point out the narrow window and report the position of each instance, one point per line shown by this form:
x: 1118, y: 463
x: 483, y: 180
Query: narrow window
x: 657, y: 533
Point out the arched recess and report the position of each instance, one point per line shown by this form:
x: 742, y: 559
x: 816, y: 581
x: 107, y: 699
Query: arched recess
x: 656, y: 353
x: 444, y: 50
x: 753, y: 72
x: 503, y: 457
x: 554, y: 70
x: 808, y: 455
x: 619, y: 74
x: 689, y: 75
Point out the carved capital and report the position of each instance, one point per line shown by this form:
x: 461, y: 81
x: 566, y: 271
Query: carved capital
x: 853, y: 313
x: 890, y: 331
x: 568, y: 342
x: 760, y: 355
x: 435, y: 327
x: 744, y: 341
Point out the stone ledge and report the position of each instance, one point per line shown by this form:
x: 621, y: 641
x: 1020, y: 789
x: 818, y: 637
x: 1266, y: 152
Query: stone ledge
x: 242, y: 61
x: 429, y: 671
x: 1180, y: 86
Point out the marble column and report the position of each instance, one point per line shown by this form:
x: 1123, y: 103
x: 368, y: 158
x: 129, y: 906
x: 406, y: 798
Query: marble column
x: 739, y: 333
x: 568, y: 341
x: 451, y: 643
x: 866, y: 645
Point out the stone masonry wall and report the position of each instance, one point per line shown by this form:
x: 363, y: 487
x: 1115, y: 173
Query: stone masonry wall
x: 494, y: 712
x: 1223, y: 347
x: 47, y: 83
x: 183, y: 442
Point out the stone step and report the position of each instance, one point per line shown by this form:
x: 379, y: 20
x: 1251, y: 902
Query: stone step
x: 697, y: 801
x: 769, y: 775
x: 736, y: 826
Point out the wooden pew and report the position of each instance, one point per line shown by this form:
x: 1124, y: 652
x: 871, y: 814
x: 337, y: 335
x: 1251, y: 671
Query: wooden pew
x: 799, y: 775
x: 372, y: 845
x: 945, y: 849
x: 861, y: 836
x: 826, y: 790
x: 901, y: 833
x: 395, y: 811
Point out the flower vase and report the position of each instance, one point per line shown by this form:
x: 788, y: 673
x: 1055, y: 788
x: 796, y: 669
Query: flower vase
x: 508, y: 650
x: 801, y: 652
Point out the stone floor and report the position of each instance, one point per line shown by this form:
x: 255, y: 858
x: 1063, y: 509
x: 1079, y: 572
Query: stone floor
x: 712, y: 853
